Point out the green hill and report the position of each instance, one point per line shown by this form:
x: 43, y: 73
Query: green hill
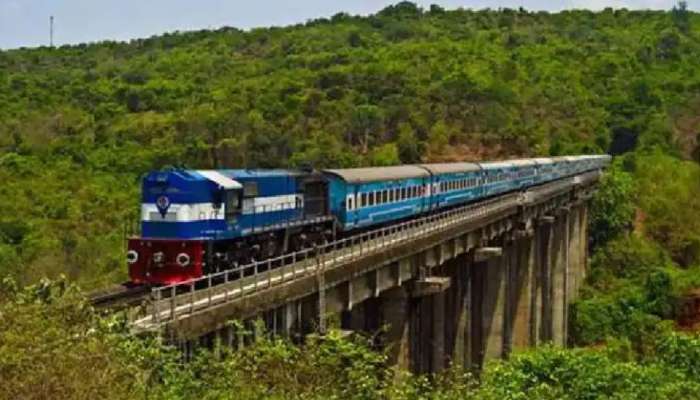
x: 80, y: 124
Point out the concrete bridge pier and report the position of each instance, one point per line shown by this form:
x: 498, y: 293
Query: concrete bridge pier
x: 523, y: 301
x: 560, y: 275
x: 458, y: 311
x: 544, y: 237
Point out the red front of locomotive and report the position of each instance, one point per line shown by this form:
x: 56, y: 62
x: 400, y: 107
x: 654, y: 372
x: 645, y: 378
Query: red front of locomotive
x: 163, y: 262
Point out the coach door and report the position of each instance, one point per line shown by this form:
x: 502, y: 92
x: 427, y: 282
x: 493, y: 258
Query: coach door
x: 315, y: 198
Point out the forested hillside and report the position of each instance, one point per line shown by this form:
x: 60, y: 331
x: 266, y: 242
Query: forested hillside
x: 80, y: 124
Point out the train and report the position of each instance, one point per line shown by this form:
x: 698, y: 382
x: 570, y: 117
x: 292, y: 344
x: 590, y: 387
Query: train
x: 196, y: 222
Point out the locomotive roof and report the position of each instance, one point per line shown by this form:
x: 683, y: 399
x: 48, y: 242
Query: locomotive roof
x: 447, y: 168
x: 220, y: 179
x: 362, y: 175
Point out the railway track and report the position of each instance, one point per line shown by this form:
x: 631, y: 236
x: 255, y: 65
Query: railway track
x: 118, y: 296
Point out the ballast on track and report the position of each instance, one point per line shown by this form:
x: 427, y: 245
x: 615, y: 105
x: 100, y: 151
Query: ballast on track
x: 118, y: 296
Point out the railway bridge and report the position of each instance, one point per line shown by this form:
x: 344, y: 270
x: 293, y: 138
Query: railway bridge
x: 463, y: 286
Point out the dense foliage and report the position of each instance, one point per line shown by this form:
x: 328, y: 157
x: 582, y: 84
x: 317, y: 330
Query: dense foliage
x: 80, y: 124
x: 67, y: 351
x: 649, y: 260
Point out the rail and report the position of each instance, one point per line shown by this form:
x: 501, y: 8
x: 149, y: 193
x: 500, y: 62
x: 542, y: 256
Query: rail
x: 171, y: 302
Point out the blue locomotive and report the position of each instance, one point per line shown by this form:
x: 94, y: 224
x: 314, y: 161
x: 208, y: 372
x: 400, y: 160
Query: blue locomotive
x: 196, y: 222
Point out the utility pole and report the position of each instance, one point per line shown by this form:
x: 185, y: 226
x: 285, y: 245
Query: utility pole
x: 51, y: 31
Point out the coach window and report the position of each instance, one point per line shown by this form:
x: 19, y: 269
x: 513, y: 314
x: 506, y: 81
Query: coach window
x: 385, y: 196
x: 363, y: 200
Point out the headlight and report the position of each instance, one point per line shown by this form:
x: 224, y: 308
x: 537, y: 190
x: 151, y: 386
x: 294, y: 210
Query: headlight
x: 183, y: 259
x: 132, y: 257
x: 158, y: 257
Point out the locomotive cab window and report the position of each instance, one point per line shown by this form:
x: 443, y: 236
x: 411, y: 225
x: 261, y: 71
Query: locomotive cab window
x: 232, y: 204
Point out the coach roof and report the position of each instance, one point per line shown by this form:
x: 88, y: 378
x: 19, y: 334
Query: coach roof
x: 450, y: 168
x: 363, y: 175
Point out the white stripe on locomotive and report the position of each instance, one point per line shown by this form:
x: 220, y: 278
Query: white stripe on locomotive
x: 207, y: 211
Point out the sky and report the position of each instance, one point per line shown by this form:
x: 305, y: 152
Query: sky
x: 25, y: 23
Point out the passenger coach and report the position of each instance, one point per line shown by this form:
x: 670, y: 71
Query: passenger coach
x: 362, y: 197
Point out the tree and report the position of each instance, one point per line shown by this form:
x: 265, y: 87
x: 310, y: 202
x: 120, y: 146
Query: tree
x: 408, y: 145
x: 438, y: 138
x: 385, y: 155
x: 365, y: 120
x: 681, y: 16
x: 613, y: 207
